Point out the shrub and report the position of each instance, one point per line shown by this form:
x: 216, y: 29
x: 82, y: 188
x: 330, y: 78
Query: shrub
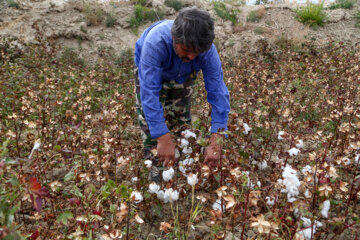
x: 259, y: 2
x: 143, y: 15
x: 259, y: 30
x: 357, y: 17
x: 13, y: 3
x: 345, y: 4
x: 110, y: 20
x: 175, y: 4
x: 94, y: 13
x: 224, y: 13
x: 312, y: 14
x: 256, y: 15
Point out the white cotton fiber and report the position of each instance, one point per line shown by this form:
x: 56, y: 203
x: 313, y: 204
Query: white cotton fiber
x: 184, y: 142
x: 306, y: 169
x: 188, y: 134
x: 217, y: 205
x: 247, y: 129
x: 293, y: 152
x: 325, y: 209
x: 154, y: 188
x: 168, y: 174
x: 291, y: 183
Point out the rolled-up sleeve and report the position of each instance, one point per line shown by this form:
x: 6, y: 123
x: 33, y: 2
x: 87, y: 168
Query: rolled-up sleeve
x: 217, y: 92
x: 150, y: 77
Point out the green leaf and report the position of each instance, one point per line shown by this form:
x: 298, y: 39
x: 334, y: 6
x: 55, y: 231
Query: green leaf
x: 69, y: 176
x: 112, y: 208
x: 64, y: 217
x: 14, y: 181
x: 77, y: 192
x: 110, y: 184
x: 57, y: 148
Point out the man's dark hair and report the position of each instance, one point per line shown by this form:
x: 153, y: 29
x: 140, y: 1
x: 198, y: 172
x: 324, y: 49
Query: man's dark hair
x: 194, y: 28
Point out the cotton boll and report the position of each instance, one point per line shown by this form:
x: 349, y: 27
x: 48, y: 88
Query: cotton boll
x: 217, y: 205
x: 182, y: 168
x: 174, y: 196
x: 270, y: 201
x: 325, y: 209
x: 170, y: 195
x: 281, y: 134
x: 291, y: 183
x: 249, y: 183
x: 184, y: 142
x: 36, y: 145
x: 134, y: 179
x: 168, y: 174
x: 160, y: 195
x: 307, y: 193
x: 262, y: 165
x: 247, y: 129
x: 306, y: 169
x: 154, y: 188
x: 148, y: 163
x: 187, y: 134
x: 346, y: 161
x: 136, y: 196
x: 192, y: 179
x: 300, y: 144
x: 357, y: 158
x: 306, y: 222
x: 188, y: 161
x: 177, y: 153
x: 306, y: 233
x: 293, y: 152
x: 187, y: 150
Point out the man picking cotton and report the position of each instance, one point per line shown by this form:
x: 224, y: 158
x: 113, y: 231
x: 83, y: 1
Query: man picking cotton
x: 168, y: 56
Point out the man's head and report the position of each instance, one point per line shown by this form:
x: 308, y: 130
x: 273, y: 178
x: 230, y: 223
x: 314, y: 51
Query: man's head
x: 192, y: 32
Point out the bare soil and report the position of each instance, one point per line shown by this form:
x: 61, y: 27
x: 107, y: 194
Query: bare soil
x: 64, y: 21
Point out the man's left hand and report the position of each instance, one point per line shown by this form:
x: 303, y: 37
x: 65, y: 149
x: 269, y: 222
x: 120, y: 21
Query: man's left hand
x: 213, y: 151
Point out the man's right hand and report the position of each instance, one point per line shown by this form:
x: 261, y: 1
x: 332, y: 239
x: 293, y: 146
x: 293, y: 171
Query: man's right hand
x: 166, y: 149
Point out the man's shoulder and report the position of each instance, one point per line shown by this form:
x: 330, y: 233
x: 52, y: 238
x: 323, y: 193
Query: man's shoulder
x: 160, y: 29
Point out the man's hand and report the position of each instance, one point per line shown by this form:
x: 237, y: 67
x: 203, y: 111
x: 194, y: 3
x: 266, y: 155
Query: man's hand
x: 213, y: 151
x: 166, y: 149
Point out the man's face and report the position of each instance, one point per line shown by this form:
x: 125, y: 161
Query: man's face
x: 186, y: 54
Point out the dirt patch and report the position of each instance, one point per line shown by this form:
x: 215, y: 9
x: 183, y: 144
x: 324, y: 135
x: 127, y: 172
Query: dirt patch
x: 63, y: 21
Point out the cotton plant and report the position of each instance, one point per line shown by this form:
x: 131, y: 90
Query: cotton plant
x: 192, y: 179
x: 299, y: 143
x: 148, y: 163
x: 170, y: 195
x: 309, y: 230
x: 291, y: 183
x: 184, y: 164
x: 36, y: 146
x: 357, y: 158
x: 154, y: 188
x: 262, y: 165
x: 136, y: 196
x: 281, y: 135
x: 247, y: 129
x: 293, y: 152
x: 325, y: 209
x: 134, y: 179
x: 168, y: 174
x: 188, y: 134
x: 217, y: 205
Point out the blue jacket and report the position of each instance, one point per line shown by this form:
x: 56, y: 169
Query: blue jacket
x: 157, y: 62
